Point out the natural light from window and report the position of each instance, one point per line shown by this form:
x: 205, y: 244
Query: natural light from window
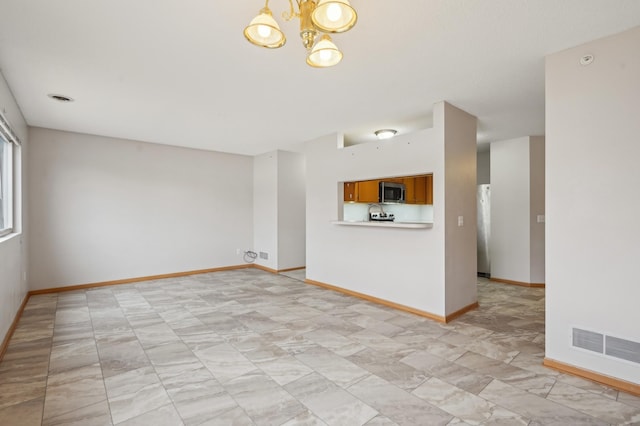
x: 6, y: 186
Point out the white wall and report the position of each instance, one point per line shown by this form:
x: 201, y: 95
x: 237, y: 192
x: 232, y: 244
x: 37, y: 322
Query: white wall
x: 107, y: 209
x: 279, y: 209
x: 460, y: 129
x: 291, y: 210
x: 537, y: 208
x: 484, y: 167
x: 13, y: 248
x: 265, y: 208
x: 405, y: 266
x: 510, y: 210
x: 593, y: 207
x: 517, y: 198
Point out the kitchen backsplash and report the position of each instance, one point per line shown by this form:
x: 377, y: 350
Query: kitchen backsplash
x: 356, y: 212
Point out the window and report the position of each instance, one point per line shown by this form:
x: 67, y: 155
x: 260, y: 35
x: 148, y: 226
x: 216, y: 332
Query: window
x: 6, y: 178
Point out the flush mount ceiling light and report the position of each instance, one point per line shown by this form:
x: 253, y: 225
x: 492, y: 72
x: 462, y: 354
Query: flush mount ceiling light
x: 316, y: 17
x: 60, y: 98
x: 385, y: 133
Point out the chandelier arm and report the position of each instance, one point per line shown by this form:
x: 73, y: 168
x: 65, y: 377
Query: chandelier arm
x: 288, y: 16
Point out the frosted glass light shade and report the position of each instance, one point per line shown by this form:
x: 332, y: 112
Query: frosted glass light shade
x: 264, y: 31
x: 385, y: 133
x: 334, y: 16
x: 324, y: 53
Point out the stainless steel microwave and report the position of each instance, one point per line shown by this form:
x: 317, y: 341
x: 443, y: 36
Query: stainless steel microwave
x: 391, y: 192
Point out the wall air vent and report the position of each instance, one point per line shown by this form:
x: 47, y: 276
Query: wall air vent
x: 616, y: 347
x: 623, y: 349
x: 588, y: 340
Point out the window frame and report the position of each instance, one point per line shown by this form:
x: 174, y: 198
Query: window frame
x: 8, y: 178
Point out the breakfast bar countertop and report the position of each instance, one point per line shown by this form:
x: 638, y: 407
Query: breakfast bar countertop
x: 385, y: 224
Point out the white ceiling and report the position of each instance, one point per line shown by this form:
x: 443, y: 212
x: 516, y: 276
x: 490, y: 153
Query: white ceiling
x: 181, y: 73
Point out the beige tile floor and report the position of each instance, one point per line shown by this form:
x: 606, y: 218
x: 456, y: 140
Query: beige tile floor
x: 251, y: 348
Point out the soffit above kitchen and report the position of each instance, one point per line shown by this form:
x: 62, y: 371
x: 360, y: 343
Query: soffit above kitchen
x: 182, y: 73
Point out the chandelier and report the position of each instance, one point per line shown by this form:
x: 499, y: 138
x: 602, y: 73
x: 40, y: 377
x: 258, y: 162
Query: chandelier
x: 317, y: 17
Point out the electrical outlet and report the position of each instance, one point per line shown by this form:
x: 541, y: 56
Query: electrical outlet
x: 238, y: 251
x: 540, y: 218
x: 460, y: 220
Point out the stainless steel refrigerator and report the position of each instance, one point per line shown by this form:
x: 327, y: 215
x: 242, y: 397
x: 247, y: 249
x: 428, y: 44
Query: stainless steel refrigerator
x: 484, y: 230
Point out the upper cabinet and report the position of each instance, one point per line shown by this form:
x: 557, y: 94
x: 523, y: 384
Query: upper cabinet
x: 418, y: 189
x: 368, y: 191
x: 365, y: 191
x: 350, y: 193
x: 410, y: 190
x: 428, y: 188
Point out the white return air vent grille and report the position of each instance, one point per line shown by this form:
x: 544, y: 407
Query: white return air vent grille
x: 588, y: 340
x: 607, y: 345
x: 624, y: 349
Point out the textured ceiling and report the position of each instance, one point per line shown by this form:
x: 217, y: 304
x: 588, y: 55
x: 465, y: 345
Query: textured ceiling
x: 181, y: 73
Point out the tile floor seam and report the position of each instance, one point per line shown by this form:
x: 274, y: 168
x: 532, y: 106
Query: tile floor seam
x: 580, y: 409
x: 126, y: 317
x: 493, y: 404
x: 483, y: 388
x: 314, y: 371
x: 104, y: 384
x: 238, y: 405
x: 52, y: 345
x: 46, y: 384
x: 151, y: 364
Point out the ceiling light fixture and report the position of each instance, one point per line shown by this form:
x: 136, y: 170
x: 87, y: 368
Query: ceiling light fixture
x: 385, y: 133
x: 60, y: 98
x: 316, y: 17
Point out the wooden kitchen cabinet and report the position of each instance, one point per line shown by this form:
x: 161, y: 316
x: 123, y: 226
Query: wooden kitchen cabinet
x: 429, y: 189
x: 368, y: 191
x: 424, y: 189
x: 350, y: 194
x: 409, y: 190
x: 419, y: 189
x: 394, y: 180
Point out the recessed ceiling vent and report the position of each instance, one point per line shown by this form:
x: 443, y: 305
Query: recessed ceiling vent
x: 60, y: 98
x: 587, y: 60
